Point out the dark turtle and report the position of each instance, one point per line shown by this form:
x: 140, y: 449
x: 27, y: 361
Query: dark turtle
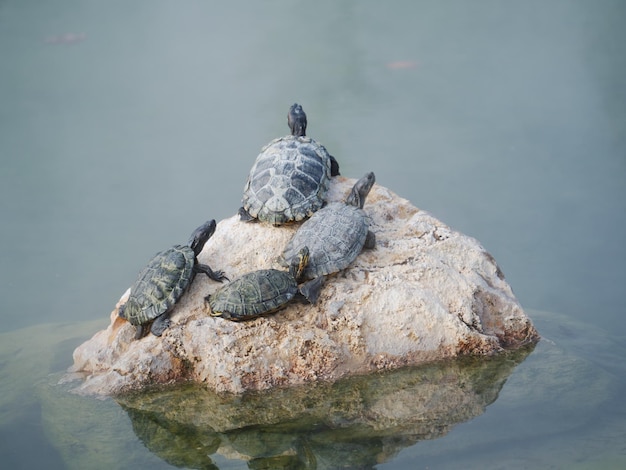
x: 290, y: 177
x: 164, y: 280
x: 336, y: 234
x: 264, y: 291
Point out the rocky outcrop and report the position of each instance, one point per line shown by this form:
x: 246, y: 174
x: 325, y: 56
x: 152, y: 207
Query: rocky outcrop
x: 425, y: 293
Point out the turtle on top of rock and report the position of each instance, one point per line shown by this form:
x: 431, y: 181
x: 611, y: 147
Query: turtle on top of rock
x: 164, y: 280
x: 290, y: 177
x: 264, y: 291
x: 288, y: 182
x: 335, y: 234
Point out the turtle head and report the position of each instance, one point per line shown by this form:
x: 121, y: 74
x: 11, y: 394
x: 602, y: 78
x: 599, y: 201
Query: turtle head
x: 360, y: 190
x: 297, y: 120
x: 299, y: 262
x: 200, y: 236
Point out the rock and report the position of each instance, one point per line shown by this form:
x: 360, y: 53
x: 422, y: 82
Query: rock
x: 425, y: 293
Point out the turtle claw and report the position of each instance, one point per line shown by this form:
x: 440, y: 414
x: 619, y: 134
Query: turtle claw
x: 219, y: 276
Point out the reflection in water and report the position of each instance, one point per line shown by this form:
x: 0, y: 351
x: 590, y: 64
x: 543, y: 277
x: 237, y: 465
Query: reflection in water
x: 179, y: 444
x: 354, y: 423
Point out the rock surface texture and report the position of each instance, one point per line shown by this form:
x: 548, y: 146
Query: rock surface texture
x: 425, y: 293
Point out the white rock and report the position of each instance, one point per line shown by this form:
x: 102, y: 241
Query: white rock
x: 425, y: 293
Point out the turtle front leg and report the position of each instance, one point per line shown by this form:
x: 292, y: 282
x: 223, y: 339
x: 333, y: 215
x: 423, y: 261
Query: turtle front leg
x: 215, y: 275
x: 311, y: 289
x: 160, y: 324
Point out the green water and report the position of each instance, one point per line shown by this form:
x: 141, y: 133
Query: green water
x: 552, y: 405
x: 124, y: 125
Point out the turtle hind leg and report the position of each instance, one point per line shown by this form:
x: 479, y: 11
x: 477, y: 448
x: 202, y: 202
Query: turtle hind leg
x: 160, y: 324
x: 370, y: 241
x: 334, y: 166
x: 244, y: 216
x: 311, y: 289
x: 139, y: 331
x: 218, y: 276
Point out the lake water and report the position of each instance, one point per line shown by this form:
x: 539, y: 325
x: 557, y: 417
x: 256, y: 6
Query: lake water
x: 124, y: 125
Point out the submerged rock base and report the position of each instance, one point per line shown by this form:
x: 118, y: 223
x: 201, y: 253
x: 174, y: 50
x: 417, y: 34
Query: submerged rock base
x: 425, y: 293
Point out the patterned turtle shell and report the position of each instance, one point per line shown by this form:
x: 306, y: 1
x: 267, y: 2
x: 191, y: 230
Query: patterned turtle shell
x: 264, y: 291
x: 160, y: 284
x: 336, y: 234
x: 164, y: 280
x: 253, y: 294
x: 290, y: 177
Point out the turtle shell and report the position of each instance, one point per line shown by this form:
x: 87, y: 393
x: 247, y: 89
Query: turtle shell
x: 159, y: 286
x: 253, y: 294
x: 288, y: 181
x: 335, y: 236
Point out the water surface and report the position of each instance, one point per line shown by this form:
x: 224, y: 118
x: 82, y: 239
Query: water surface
x: 124, y: 126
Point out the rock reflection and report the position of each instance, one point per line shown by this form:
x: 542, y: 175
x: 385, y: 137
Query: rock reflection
x: 354, y: 423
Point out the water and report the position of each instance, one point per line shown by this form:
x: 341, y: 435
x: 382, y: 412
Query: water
x: 504, y: 119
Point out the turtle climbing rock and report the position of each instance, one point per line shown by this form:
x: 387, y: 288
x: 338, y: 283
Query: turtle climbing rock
x: 336, y: 234
x: 164, y: 280
x: 290, y: 177
x: 264, y: 291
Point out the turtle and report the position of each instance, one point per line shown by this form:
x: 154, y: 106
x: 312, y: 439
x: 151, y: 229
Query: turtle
x: 163, y: 281
x: 336, y: 234
x: 264, y: 291
x: 290, y: 177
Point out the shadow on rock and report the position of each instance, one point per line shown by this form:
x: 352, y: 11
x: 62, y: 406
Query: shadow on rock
x: 353, y: 423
